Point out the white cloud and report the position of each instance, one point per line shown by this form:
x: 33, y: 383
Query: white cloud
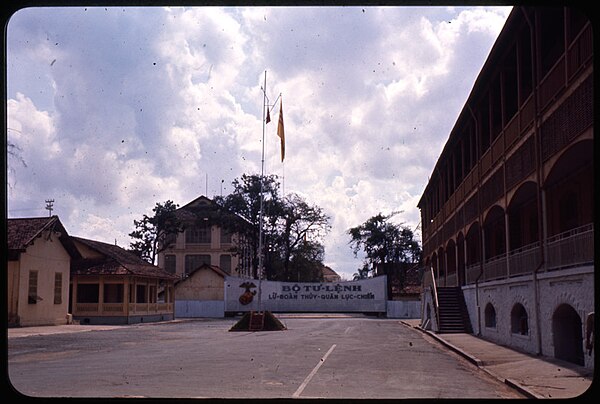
x: 118, y: 109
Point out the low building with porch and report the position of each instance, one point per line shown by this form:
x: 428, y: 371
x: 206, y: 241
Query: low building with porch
x: 110, y: 285
x: 39, y: 257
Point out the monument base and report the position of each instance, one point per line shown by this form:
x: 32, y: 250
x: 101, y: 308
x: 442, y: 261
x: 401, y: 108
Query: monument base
x: 258, y: 321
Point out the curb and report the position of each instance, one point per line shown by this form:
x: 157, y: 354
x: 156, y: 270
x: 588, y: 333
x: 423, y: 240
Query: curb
x: 478, y: 362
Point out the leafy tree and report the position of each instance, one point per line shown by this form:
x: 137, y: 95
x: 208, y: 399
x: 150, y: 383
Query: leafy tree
x: 301, y: 227
x: 383, y: 242
x: 244, y: 201
x: 291, y: 227
x: 154, y: 234
x: 306, y: 265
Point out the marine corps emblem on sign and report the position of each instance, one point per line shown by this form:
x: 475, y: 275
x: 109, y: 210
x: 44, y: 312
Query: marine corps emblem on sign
x: 247, y: 296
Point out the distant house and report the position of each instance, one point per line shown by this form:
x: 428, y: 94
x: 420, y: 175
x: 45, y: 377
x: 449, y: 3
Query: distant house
x: 39, y: 256
x: 329, y: 275
x: 205, y: 242
x: 201, y: 293
x: 111, y: 285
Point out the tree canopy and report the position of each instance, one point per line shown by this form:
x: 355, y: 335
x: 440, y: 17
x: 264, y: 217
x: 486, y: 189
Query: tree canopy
x: 292, y: 228
x: 383, y: 242
x: 155, y: 233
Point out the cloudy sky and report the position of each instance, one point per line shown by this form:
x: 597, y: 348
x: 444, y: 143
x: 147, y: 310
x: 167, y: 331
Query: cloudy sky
x: 114, y: 109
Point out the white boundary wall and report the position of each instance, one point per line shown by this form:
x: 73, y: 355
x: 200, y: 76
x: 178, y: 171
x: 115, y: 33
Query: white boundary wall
x: 199, y: 308
x: 368, y: 295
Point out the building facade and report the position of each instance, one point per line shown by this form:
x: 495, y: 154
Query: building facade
x: 205, y: 242
x: 110, y: 285
x: 39, y: 256
x: 507, y: 215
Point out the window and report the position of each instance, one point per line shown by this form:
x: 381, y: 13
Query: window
x: 198, y: 235
x: 170, y: 263
x: 170, y: 240
x: 193, y: 261
x: 518, y: 320
x: 33, y: 286
x: 225, y: 263
x: 152, y: 294
x: 225, y: 236
x: 140, y: 294
x: 490, y: 316
x: 113, y: 293
x: 88, y: 293
x: 58, y: 288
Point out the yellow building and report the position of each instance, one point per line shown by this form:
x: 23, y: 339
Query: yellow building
x: 39, y: 257
x: 113, y: 286
x: 205, y: 242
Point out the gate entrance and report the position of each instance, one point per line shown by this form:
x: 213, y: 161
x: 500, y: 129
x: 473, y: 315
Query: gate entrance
x: 567, y: 335
x: 369, y: 295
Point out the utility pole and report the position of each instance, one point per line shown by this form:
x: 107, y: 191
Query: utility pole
x: 49, y: 206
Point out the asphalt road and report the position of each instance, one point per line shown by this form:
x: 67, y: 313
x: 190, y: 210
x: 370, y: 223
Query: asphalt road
x: 352, y: 357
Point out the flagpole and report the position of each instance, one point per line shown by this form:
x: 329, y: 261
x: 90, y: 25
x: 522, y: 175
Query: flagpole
x: 262, y: 173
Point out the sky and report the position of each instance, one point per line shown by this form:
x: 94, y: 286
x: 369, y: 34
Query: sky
x: 111, y: 110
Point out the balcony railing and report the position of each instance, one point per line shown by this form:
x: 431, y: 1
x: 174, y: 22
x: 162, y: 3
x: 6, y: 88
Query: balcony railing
x: 524, y: 260
x: 472, y: 272
x: 570, y: 248
x: 495, y: 268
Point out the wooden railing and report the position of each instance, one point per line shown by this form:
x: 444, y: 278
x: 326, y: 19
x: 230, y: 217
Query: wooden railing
x: 120, y: 309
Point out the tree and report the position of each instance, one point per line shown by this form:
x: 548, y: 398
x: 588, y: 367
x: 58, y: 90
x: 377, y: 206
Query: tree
x: 291, y: 227
x: 244, y: 201
x: 154, y: 234
x: 383, y: 242
x: 301, y: 228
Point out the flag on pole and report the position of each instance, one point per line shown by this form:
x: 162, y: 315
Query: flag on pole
x: 280, y: 132
x: 268, y: 116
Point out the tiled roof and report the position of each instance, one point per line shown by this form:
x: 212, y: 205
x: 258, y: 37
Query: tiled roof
x: 214, y: 268
x: 23, y: 231
x: 202, y: 205
x: 328, y: 271
x: 115, y: 261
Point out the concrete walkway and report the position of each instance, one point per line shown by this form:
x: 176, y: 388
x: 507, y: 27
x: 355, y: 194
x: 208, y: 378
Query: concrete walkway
x: 534, y: 376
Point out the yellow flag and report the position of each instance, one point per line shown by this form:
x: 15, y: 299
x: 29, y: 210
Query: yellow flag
x: 280, y: 132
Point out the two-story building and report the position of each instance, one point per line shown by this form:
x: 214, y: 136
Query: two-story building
x: 507, y: 215
x: 205, y: 242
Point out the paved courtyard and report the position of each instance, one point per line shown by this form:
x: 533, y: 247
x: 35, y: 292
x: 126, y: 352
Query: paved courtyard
x: 330, y: 357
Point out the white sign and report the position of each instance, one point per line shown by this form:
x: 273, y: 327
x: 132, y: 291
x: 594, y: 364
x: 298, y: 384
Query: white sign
x: 369, y: 295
